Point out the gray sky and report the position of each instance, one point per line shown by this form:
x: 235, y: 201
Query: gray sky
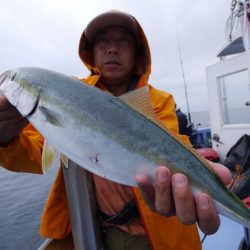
x: 45, y: 33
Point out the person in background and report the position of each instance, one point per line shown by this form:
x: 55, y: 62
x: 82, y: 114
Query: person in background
x: 115, y: 50
x: 182, y: 121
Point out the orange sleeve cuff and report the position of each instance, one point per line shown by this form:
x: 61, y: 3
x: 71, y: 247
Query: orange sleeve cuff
x: 24, y: 153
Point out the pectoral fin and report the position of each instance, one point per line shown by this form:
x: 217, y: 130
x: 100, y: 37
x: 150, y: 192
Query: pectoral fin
x: 49, y: 116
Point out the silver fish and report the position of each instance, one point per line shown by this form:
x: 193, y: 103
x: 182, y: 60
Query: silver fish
x: 114, y: 137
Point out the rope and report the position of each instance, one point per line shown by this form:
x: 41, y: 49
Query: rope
x: 232, y: 19
x: 239, y: 172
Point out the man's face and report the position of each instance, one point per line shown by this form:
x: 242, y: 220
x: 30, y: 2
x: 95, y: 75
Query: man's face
x: 114, y: 54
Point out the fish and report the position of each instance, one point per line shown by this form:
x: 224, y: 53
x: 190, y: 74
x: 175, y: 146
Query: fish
x: 116, y: 138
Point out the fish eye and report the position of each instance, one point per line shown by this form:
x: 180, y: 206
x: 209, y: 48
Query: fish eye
x: 13, y: 77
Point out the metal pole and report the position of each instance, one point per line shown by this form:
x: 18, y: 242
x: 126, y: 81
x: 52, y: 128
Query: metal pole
x: 184, y: 79
x: 82, y: 207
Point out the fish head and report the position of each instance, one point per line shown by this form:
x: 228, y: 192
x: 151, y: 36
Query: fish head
x: 21, y: 90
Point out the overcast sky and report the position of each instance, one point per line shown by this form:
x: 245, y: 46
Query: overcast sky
x: 45, y: 33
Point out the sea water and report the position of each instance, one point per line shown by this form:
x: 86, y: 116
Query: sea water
x: 22, y: 199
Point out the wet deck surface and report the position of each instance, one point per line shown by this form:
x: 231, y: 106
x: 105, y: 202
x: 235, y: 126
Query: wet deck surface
x: 228, y: 236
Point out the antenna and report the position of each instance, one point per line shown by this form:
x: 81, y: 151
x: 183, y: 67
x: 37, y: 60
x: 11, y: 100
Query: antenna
x: 184, y: 80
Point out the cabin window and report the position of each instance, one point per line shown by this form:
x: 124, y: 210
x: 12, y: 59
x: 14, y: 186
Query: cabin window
x: 235, y: 97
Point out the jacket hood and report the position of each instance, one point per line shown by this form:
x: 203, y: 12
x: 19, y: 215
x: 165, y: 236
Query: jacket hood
x: 143, y: 58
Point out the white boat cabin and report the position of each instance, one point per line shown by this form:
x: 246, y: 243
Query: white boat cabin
x: 229, y: 88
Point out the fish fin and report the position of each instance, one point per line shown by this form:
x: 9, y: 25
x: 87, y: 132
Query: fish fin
x: 139, y: 99
x: 48, y: 116
x: 65, y: 160
x: 49, y: 155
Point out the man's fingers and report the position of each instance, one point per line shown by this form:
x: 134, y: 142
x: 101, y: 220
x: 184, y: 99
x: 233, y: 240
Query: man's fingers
x: 7, y: 111
x: 183, y: 198
x: 163, y: 192
x: 21, y: 124
x: 11, y: 122
x: 11, y: 114
x: 147, y: 190
x: 222, y: 171
x: 172, y: 195
x: 208, y: 219
x: 4, y: 103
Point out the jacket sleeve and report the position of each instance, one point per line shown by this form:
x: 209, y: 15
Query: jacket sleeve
x: 24, y: 153
x: 164, y: 108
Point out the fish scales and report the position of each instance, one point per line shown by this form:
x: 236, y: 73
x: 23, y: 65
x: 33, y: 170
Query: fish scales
x: 108, y: 137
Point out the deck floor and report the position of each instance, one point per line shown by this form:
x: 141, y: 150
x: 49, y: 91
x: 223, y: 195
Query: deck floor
x: 228, y: 236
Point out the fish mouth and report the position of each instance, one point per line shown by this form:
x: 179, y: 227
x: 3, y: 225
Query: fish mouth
x: 4, y: 76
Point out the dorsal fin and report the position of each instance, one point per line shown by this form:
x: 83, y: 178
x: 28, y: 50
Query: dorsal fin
x: 139, y: 99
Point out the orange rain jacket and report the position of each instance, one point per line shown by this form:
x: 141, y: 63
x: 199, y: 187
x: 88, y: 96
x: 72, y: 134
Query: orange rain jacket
x: 24, y: 155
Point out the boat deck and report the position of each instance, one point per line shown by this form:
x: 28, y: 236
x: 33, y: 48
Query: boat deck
x: 228, y: 236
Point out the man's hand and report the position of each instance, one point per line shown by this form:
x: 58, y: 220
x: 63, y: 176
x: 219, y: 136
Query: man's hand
x: 11, y: 121
x: 172, y: 195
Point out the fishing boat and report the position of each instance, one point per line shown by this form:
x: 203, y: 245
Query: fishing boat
x: 229, y: 90
x: 228, y: 83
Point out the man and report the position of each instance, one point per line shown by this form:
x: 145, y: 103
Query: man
x: 114, y: 48
x: 182, y: 121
